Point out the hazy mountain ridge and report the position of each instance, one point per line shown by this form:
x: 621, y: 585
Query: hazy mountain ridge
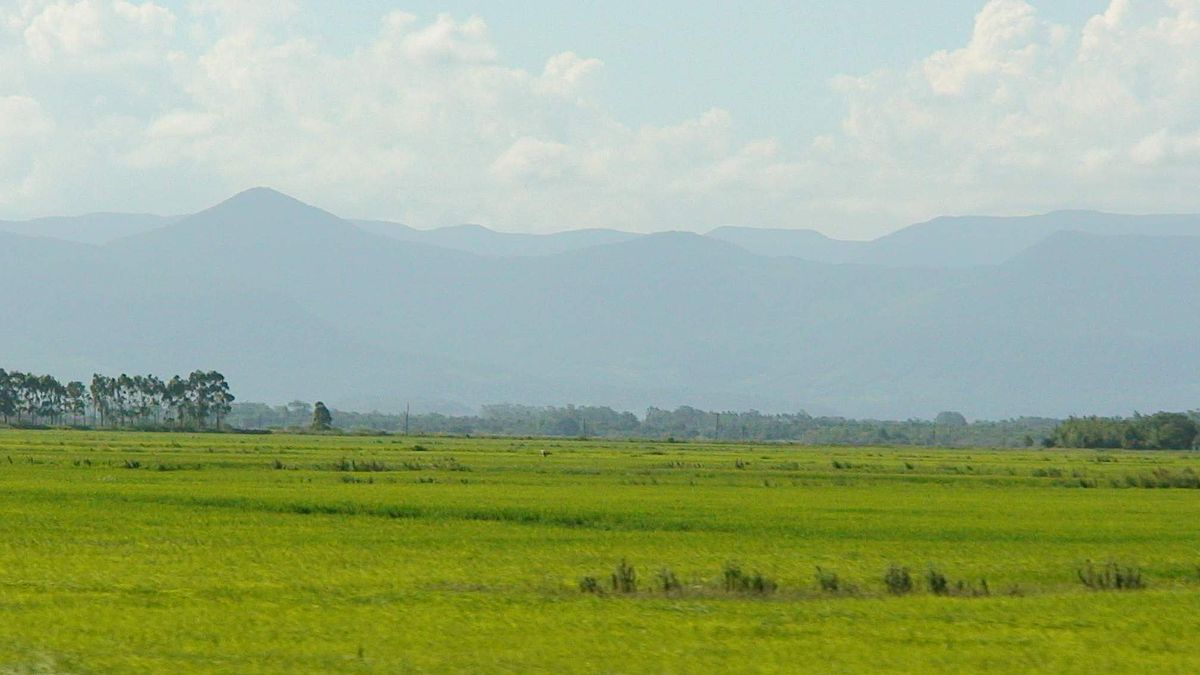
x: 945, y: 242
x: 480, y: 240
x: 289, y: 300
x: 92, y: 228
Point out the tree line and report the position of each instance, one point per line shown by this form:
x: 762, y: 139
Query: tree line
x: 201, y: 400
x: 1160, y: 431
x: 683, y: 423
x: 1164, y: 430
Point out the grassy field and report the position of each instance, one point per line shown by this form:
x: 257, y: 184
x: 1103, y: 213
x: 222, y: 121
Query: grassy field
x: 130, y: 552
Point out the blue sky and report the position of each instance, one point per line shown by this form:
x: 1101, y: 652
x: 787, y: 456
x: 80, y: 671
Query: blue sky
x: 853, y: 118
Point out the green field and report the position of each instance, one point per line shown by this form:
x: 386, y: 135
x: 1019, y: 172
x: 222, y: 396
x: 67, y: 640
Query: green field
x: 131, y: 552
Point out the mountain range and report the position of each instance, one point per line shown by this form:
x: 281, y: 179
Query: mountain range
x: 1069, y: 312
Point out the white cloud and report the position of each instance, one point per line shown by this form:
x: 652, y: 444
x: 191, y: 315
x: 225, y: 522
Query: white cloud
x: 125, y: 105
x: 21, y: 117
x: 445, y: 41
x: 246, y: 14
x: 81, y: 30
x: 23, y: 126
x: 1002, y: 43
x: 1031, y: 116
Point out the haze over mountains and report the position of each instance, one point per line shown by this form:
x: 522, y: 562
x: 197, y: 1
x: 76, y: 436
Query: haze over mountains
x: 1073, y: 312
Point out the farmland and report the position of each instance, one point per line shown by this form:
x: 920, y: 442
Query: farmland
x: 134, y: 552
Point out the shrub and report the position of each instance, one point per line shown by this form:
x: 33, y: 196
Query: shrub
x: 828, y: 581
x: 363, y: 466
x: 132, y: 464
x: 737, y: 581
x: 898, y: 580
x: 590, y: 585
x: 624, y: 578
x: 1165, y: 478
x: 938, y: 585
x: 668, y: 582
x: 1111, y: 577
x: 450, y: 464
x: 963, y: 588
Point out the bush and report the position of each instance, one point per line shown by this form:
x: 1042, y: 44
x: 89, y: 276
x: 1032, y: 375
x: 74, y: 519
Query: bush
x: 1111, y: 577
x: 668, y: 582
x: 737, y: 581
x: 450, y: 464
x: 828, y: 581
x: 938, y: 584
x: 898, y: 580
x: 963, y: 588
x: 590, y: 585
x: 624, y: 578
x: 1163, y: 478
x: 362, y: 466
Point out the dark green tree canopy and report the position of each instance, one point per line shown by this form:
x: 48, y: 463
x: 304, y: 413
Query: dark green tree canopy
x: 142, y: 401
x: 322, y: 419
x: 1160, y: 431
x: 950, y: 418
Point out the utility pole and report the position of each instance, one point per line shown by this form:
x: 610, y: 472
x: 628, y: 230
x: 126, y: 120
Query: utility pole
x: 406, y: 419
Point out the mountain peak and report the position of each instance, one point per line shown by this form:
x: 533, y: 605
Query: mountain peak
x: 250, y: 218
x: 262, y: 197
x: 264, y: 207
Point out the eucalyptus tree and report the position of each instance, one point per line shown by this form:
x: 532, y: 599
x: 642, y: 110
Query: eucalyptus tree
x: 175, y: 399
x: 29, y: 399
x: 101, y: 393
x: 122, y: 401
x: 197, y: 397
x: 8, y: 395
x: 51, y: 396
x: 76, y: 400
x: 222, y: 398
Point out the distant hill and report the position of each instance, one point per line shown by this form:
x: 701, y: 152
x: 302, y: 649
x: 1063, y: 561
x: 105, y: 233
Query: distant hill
x: 946, y: 242
x: 975, y: 240
x: 94, y: 228
x: 952, y: 242
x: 806, y: 244
x: 483, y: 241
x: 291, y: 301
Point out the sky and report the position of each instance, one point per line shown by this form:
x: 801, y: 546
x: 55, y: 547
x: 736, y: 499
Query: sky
x: 853, y: 118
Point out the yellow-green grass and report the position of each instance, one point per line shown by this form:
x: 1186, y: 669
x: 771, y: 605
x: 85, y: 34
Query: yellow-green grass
x: 127, y: 552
